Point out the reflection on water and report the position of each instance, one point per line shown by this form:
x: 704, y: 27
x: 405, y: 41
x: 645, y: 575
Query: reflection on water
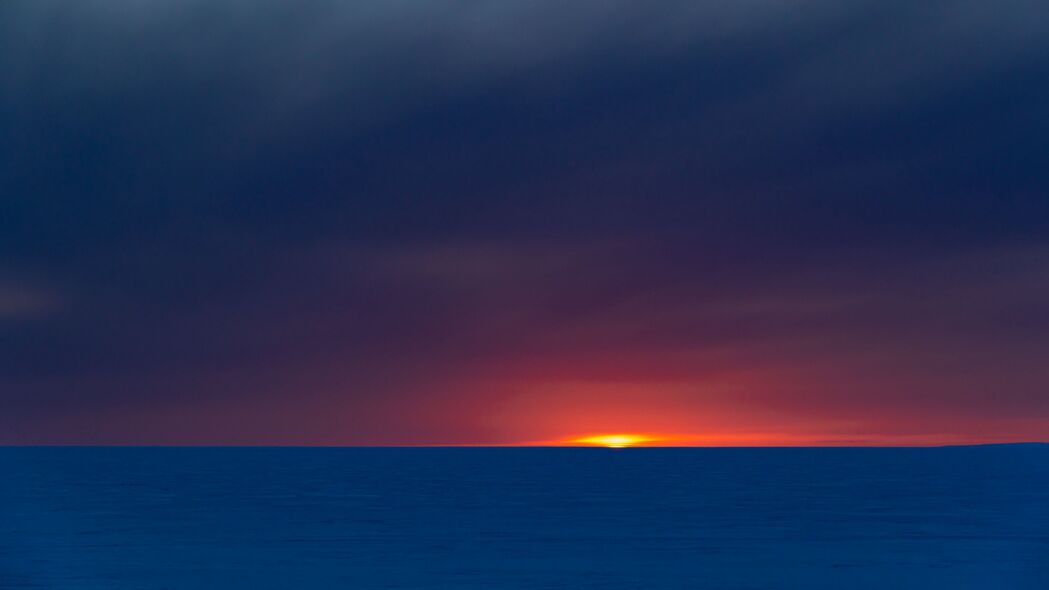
x: 525, y: 518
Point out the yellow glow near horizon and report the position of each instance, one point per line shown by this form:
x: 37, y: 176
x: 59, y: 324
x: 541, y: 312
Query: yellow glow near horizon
x: 614, y: 441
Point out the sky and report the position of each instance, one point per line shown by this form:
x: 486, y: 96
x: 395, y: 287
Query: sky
x: 409, y: 222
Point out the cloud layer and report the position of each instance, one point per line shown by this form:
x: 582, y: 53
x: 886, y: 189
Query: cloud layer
x: 404, y: 222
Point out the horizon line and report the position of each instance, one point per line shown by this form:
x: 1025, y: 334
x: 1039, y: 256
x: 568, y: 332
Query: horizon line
x: 505, y: 446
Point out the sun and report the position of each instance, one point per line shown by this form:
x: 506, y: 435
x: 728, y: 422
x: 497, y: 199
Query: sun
x: 614, y: 441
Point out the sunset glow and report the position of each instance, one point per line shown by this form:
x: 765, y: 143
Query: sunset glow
x: 615, y: 441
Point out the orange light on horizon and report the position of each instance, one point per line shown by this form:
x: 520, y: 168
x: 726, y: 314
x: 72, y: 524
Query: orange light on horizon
x: 619, y: 440
x: 614, y: 441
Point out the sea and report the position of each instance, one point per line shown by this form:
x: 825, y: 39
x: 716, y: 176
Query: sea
x: 492, y: 518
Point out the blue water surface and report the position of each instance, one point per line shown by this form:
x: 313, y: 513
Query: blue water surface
x: 299, y: 518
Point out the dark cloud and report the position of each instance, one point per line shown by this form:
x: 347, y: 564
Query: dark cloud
x: 404, y: 215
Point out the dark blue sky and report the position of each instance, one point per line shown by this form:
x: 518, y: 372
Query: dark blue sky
x: 465, y: 221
